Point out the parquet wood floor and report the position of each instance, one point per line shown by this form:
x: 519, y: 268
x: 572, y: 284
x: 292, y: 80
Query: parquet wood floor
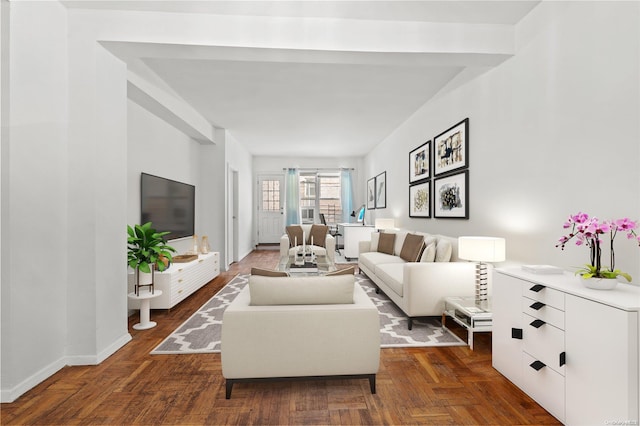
x: 415, y: 386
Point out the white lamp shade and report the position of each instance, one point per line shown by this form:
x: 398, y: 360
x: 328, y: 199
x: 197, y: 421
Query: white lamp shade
x: 481, y: 249
x: 385, y: 223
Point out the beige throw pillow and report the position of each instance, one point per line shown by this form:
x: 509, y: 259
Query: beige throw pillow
x: 319, y: 235
x: 351, y: 270
x: 385, y: 243
x: 295, y: 234
x: 429, y: 253
x: 412, y: 247
x: 443, y: 251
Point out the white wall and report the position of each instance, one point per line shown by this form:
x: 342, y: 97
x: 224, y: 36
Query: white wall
x: 553, y: 131
x: 240, y: 160
x: 155, y: 147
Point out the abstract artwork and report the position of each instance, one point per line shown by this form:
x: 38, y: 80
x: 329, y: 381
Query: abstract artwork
x: 419, y: 161
x: 420, y: 200
x: 452, y: 196
x: 371, y: 194
x: 381, y: 190
x: 451, y: 149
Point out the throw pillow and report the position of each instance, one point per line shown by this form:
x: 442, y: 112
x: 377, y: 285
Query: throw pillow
x: 318, y: 234
x: 412, y: 247
x: 268, y: 272
x: 429, y: 253
x: 351, y: 270
x: 443, y: 251
x: 295, y: 234
x: 385, y: 243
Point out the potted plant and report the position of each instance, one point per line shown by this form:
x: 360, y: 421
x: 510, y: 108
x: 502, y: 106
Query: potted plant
x: 147, y: 250
x: 590, y: 231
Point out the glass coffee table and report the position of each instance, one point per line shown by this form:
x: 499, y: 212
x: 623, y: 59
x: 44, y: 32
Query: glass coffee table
x: 322, y: 266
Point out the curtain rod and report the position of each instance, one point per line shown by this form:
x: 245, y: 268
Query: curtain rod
x: 318, y: 170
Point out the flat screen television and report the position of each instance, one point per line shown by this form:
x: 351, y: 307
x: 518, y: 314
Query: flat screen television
x: 168, y: 204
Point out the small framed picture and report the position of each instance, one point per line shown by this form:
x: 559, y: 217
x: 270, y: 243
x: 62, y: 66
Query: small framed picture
x: 451, y: 196
x: 419, y: 163
x: 381, y: 190
x: 451, y: 149
x: 371, y: 194
x: 420, y: 200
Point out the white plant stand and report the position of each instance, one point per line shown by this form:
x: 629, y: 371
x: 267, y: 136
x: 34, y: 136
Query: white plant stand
x: 145, y: 297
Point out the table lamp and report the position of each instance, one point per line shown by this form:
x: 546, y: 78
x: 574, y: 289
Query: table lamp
x: 481, y: 250
x: 384, y: 223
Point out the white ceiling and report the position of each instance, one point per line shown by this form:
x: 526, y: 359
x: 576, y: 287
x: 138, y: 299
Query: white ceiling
x: 300, y: 107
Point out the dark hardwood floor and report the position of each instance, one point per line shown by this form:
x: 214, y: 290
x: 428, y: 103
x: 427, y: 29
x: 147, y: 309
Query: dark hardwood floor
x: 415, y: 385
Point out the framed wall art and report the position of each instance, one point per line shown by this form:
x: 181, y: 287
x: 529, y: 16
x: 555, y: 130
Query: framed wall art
x: 451, y: 149
x: 420, y: 200
x: 451, y: 196
x: 381, y: 190
x: 419, y: 163
x: 371, y: 194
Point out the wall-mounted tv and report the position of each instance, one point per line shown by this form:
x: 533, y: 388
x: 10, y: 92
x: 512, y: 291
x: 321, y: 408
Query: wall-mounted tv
x: 168, y: 204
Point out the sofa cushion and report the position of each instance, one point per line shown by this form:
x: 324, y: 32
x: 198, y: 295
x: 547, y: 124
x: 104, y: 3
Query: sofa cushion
x: 385, y: 243
x: 318, y: 235
x: 373, y: 258
x: 429, y: 253
x: 375, y: 236
x: 391, y: 274
x: 412, y: 247
x: 400, y: 237
x: 296, y: 236
x: 268, y: 272
x: 314, y: 290
x: 443, y: 250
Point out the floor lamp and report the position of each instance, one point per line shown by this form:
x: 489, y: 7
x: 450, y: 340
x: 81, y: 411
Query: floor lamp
x: 481, y: 250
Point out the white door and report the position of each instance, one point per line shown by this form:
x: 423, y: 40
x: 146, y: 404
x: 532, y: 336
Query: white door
x: 270, y: 208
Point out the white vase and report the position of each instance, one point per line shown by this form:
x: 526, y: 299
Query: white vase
x: 599, y: 283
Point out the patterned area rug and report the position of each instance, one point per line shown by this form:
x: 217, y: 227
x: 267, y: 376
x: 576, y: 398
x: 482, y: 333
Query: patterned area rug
x: 201, y: 332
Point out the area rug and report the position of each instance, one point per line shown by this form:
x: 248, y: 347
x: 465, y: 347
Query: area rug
x: 201, y: 332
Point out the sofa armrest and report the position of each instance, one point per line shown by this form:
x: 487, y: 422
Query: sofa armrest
x: 364, y: 246
x: 426, y: 284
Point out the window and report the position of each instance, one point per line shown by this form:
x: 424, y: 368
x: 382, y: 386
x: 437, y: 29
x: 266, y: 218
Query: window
x: 320, y: 193
x: 271, y: 195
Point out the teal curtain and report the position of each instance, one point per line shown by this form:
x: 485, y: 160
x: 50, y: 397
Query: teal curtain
x: 291, y: 201
x: 346, y: 195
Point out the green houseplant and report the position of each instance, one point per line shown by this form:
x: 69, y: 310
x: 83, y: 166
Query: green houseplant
x: 147, y: 248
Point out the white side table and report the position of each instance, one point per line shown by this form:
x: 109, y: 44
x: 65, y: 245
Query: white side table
x: 475, y: 317
x: 144, y: 297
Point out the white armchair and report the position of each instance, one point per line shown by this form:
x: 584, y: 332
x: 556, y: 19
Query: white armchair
x: 329, y: 248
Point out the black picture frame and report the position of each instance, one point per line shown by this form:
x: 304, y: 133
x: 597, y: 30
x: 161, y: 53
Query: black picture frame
x: 451, y: 149
x: 451, y: 196
x: 420, y: 200
x: 381, y: 191
x: 420, y: 163
x: 371, y: 194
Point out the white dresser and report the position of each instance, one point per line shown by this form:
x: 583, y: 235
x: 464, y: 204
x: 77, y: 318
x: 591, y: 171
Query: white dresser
x: 352, y: 234
x: 180, y: 280
x: 573, y: 350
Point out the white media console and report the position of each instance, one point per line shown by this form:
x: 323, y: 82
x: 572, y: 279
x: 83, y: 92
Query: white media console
x: 180, y: 280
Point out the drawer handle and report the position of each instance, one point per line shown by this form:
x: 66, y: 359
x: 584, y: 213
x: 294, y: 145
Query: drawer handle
x: 180, y: 270
x: 537, y: 323
x: 516, y: 333
x: 180, y: 280
x: 537, y: 287
x: 563, y: 358
x: 537, y: 306
x: 201, y: 260
x: 537, y: 365
x: 179, y: 291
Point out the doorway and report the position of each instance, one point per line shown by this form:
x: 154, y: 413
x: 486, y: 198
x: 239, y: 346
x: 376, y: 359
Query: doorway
x: 270, y: 208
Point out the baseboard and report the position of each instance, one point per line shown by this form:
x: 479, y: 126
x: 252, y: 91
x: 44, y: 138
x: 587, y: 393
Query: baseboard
x: 10, y: 395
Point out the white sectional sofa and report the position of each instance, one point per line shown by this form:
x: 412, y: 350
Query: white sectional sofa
x: 418, y: 287
x: 329, y: 248
x: 300, y: 327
